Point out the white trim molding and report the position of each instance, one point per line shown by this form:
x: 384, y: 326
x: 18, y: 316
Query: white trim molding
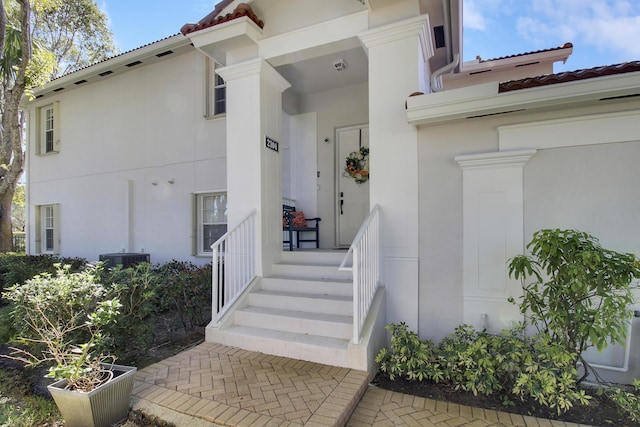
x: 570, y: 132
x: 493, y: 224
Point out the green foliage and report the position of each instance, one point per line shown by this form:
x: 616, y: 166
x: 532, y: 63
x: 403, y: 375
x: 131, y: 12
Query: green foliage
x: 74, y: 32
x: 409, y: 356
x: 135, y: 287
x: 61, y: 320
x: 628, y: 401
x: 186, y: 288
x: 20, y: 407
x: 580, y: 292
x: 508, y: 364
x: 148, y: 296
x: 15, y: 268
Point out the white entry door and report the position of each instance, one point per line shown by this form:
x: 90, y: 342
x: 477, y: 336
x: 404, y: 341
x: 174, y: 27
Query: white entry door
x: 352, y: 197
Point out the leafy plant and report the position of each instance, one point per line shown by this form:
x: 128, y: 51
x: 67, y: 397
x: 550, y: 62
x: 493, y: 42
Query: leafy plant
x: 135, y: 287
x: 409, y: 356
x: 579, y: 292
x: 510, y: 364
x: 16, y: 268
x: 62, y: 319
x: 186, y: 288
x: 628, y: 401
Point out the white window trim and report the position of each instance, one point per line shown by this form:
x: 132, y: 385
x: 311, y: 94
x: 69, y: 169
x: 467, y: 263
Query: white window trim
x: 41, y: 139
x: 198, y: 230
x: 210, y: 90
x: 42, y: 226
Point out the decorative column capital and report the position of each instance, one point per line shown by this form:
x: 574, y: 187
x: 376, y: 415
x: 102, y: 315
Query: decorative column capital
x: 495, y: 159
x: 257, y: 66
x: 418, y: 26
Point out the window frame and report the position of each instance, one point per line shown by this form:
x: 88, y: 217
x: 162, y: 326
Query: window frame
x: 199, y: 248
x: 215, y: 103
x: 48, y: 229
x: 48, y: 129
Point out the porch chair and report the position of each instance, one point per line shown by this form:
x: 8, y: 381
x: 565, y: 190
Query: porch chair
x: 294, y: 222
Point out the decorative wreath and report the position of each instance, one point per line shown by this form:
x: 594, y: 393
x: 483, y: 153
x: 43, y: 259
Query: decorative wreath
x: 357, y: 165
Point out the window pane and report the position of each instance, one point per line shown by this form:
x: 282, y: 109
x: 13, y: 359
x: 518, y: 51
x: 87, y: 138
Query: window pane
x: 220, y: 106
x: 48, y: 129
x: 49, y: 239
x: 211, y: 234
x: 214, y: 209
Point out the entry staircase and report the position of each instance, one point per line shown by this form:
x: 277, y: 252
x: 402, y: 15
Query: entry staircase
x: 304, y: 310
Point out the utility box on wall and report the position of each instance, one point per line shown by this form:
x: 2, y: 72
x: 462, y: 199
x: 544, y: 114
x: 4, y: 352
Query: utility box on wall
x: 124, y: 259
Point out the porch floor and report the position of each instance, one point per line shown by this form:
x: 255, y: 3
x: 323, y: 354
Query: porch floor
x: 212, y: 385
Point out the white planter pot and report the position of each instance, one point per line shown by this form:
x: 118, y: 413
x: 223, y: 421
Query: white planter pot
x: 104, y: 406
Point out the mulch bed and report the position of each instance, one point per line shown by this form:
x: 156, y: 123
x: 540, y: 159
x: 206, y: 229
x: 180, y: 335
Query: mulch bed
x: 600, y: 412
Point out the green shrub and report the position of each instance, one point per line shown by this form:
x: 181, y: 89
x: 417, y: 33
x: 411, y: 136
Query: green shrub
x: 15, y: 269
x: 135, y: 287
x: 628, y: 401
x: 186, y: 288
x: 61, y: 321
x: 508, y: 364
x: 409, y: 357
x: 580, y: 292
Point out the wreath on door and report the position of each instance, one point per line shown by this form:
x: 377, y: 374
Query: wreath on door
x: 357, y: 165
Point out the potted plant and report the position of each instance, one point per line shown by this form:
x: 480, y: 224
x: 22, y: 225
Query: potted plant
x: 63, y: 322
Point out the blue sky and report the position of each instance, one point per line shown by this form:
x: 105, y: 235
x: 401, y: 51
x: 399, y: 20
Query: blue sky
x: 603, y: 32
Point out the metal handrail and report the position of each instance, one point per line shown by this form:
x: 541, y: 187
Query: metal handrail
x: 234, y: 265
x: 365, y: 269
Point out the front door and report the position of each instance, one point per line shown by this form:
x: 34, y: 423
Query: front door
x: 353, y: 196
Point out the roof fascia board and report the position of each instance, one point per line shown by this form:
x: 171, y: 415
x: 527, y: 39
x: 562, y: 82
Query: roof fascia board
x: 556, y: 55
x: 152, y: 49
x: 484, y: 99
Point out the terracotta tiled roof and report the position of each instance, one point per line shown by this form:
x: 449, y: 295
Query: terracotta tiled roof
x: 214, y: 17
x: 570, y: 76
x: 564, y: 46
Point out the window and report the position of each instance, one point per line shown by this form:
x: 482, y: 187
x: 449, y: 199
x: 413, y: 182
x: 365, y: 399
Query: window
x: 216, y: 91
x: 211, y: 220
x: 47, y: 233
x: 48, y: 129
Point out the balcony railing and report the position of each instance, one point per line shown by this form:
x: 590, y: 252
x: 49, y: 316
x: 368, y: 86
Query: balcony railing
x: 234, y: 255
x: 365, y: 268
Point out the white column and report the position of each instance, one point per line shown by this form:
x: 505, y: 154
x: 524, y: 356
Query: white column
x: 493, y: 224
x: 254, y: 112
x: 397, y: 67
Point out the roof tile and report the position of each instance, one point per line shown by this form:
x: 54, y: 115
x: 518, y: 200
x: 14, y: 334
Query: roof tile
x: 570, y: 76
x: 564, y: 46
x: 214, y: 18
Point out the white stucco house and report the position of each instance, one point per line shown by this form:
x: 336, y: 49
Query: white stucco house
x: 164, y: 149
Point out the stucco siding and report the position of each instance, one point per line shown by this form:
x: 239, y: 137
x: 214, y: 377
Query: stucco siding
x: 132, y: 151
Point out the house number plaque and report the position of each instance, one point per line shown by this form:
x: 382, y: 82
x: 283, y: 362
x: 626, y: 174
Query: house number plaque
x: 271, y: 144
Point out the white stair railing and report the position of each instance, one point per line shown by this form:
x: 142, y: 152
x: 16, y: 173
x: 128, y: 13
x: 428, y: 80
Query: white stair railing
x: 365, y: 268
x: 234, y: 265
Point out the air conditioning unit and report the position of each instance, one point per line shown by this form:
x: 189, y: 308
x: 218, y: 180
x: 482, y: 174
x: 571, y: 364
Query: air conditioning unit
x: 124, y: 259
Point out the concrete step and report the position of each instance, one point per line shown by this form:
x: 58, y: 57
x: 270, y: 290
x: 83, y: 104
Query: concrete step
x: 326, y: 350
x: 312, y: 303
x: 317, y: 257
x: 307, y: 271
x: 308, y: 286
x: 300, y: 322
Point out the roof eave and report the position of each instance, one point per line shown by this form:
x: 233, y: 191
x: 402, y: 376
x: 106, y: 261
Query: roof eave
x: 485, y: 100
x: 114, y: 64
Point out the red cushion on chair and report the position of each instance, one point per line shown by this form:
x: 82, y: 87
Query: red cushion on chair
x: 298, y: 219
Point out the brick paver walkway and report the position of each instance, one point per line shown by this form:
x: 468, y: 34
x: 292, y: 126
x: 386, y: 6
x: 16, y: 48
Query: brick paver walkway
x: 212, y: 385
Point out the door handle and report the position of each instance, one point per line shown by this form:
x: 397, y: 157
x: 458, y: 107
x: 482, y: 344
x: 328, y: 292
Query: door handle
x: 341, y: 204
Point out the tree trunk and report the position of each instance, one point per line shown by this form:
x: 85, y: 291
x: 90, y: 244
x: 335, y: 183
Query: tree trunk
x: 11, y: 143
x: 6, y: 232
